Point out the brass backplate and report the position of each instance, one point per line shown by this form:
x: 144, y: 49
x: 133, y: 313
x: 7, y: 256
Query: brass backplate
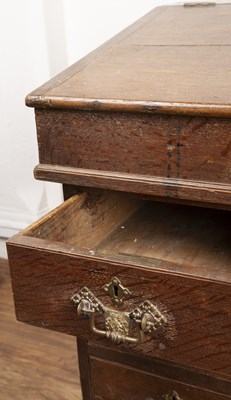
x: 117, y: 322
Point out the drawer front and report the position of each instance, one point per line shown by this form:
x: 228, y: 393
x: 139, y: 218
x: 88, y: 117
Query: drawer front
x: 112, y: 381
x: 166, y: 156
x: 189, y: 317
x: 198, y: 313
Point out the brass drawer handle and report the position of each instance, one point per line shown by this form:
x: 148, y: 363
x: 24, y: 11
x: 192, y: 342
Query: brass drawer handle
x: 147, y: 318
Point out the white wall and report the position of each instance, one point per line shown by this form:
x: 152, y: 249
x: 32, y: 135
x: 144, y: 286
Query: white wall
x: 89, y: 23
x: 24, y: 65
x: 39, y: 38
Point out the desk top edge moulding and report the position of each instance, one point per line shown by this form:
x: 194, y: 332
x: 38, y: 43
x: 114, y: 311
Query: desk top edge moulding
x: 136, y: 263
x: 164, y: 82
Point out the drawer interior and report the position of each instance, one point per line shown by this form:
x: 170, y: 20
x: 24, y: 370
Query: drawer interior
x: 114, y: 225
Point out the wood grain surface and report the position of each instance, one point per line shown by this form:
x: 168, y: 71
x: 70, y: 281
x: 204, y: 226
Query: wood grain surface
x: 38, y: 95
x: 45, y: 275
x: 125, y: 229
x: 175, y: 157
x: 187, y: 148
x: 34, y: 364
x: 148, y: 113
x: 175, y: 60
x: 156, y: 367
x: 132, y: 384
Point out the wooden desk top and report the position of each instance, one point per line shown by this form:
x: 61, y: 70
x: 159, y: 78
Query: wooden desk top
x: 175, y: 60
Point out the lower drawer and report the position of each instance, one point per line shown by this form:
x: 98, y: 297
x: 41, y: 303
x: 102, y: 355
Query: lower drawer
x: 112, y: 381
x: 173, y: 300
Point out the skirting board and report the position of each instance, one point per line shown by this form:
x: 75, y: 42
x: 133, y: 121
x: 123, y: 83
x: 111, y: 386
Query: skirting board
x: 3, y: 252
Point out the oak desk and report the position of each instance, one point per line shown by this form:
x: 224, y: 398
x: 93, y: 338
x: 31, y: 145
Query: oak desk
x: 136, y: 263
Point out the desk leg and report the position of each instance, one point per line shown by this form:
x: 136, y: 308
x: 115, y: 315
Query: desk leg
x: 84, y: 369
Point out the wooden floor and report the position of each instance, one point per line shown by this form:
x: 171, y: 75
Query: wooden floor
x: 34, y: 363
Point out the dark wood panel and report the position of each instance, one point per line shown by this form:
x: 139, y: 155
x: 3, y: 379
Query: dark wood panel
x: 172, y: 147
x: 165, y: 369
x: 182, y: 191
x: 198, y: 311
x: 132, y: 384
x: 72, y: 189
x: 173, y: 157
x: 84, y: 368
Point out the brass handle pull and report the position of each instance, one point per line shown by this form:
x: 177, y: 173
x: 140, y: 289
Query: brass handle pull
x: 118, y: 325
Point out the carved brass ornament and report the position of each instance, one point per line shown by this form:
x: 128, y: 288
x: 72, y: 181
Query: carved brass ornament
x: 147, y: 318
x: 172, y: 396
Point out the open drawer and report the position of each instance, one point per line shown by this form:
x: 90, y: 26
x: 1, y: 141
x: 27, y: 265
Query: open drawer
x: 171, y: 297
